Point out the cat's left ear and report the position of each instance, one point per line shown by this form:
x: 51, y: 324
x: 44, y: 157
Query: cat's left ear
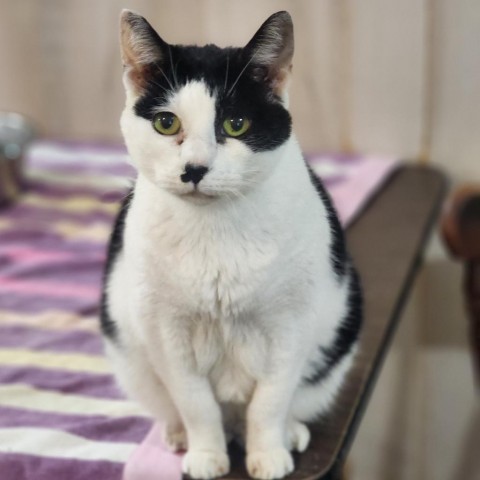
x: 141, y: 48
x: 271, y: 52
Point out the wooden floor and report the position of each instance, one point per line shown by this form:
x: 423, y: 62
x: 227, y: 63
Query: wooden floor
x: 387, y: 242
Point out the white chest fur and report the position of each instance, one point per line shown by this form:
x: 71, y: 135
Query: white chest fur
x: 223, y: 271
x: 216, y: 274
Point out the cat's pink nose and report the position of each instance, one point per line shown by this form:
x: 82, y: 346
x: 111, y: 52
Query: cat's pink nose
x: 193, y: 173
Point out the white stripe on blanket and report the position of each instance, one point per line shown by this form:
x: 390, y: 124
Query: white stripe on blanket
x: 30, y: 398
x: 57, y: 444
x: 86, y: 180
x: 66, y: 154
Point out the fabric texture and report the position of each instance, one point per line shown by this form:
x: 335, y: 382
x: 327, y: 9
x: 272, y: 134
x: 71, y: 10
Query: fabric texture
x: 61, y: 414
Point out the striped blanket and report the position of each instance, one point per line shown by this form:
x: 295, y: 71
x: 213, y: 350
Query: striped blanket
x: 61, y: 415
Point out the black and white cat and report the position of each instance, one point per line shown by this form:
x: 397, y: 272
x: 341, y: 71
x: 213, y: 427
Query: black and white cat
x: 230, y: 305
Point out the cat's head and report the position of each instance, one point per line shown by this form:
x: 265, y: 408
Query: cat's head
x: 202, y: 122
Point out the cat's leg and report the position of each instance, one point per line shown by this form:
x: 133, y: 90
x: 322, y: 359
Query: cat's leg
x: 207, y: 453
x: 268, y: 412
x: 201, y: 414
x: 137, y: 378
x: 281, y: 403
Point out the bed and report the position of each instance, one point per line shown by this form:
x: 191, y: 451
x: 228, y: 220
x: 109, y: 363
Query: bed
x: 61, y: 414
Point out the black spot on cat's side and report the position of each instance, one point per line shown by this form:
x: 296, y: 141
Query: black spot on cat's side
x: 345, y: 337
x: 115, y: 246
x: 229, y: 76
x: 338, y: 249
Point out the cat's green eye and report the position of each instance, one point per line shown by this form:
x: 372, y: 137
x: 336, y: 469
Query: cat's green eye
x: 236, y: 126
x: 166, y: 123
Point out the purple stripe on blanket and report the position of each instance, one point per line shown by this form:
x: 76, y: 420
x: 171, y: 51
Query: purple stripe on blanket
x: 63, y: 252
x: 87, y: 384
x: 81, y: 271
x: 37, y: 239
x: 28, y: 467
x: 61, y: 192
x: 54, y: 341
x: 55, y: 290
x: 92, y: 427
x: 49, y: 215
x: 29, y: 234
x: 24, y: 302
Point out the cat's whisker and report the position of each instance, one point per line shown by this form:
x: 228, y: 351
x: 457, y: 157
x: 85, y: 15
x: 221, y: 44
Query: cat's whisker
x: 230, y: 194
x: 226, y: 74
x: 171, y: 65
x: 153, y: 82
x: 240, y: 74
x: 175, y: 72
x: 124, y: 197
x: 164, y: 76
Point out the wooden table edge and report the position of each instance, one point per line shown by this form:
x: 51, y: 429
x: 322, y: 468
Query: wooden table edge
x: 334, y: 469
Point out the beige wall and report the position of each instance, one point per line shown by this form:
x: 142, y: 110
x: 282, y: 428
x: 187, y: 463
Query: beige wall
x: 360, y: 75
x: 359, y: 67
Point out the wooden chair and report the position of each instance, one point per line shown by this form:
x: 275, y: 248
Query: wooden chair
x: 461, y: 233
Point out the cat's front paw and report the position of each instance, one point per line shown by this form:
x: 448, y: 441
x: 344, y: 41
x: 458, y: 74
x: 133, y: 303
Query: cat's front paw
x: 298, y: 436
x: 270, y: 464
x: 204, y: 464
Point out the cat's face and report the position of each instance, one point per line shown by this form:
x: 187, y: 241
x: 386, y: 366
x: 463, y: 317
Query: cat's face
x: 202, y: 122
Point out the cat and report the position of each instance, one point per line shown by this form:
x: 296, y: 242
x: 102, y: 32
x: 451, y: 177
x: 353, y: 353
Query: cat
x: 230, y: 305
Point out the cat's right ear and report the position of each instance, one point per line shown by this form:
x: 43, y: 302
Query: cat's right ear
x: 271, y: 52
x: 141, y: 48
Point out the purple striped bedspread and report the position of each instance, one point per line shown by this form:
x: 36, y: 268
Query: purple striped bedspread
x: 61, y: 414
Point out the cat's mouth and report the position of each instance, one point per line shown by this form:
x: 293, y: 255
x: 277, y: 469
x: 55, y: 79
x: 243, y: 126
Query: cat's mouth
x: 196, y: 194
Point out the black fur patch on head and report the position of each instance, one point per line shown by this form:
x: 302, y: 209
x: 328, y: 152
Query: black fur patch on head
x: 115, y: 246
x: 233, y: 78
x: 346, y: 335
x: 338, y: 248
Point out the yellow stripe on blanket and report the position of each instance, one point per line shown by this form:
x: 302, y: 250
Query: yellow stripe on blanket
x: 104, y: 182
x: 96, y: 232
x: 75, y: 362
x: 46, y: 442
x: 51, y: 320
x: 19, y: 395
x: 75, y: 204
